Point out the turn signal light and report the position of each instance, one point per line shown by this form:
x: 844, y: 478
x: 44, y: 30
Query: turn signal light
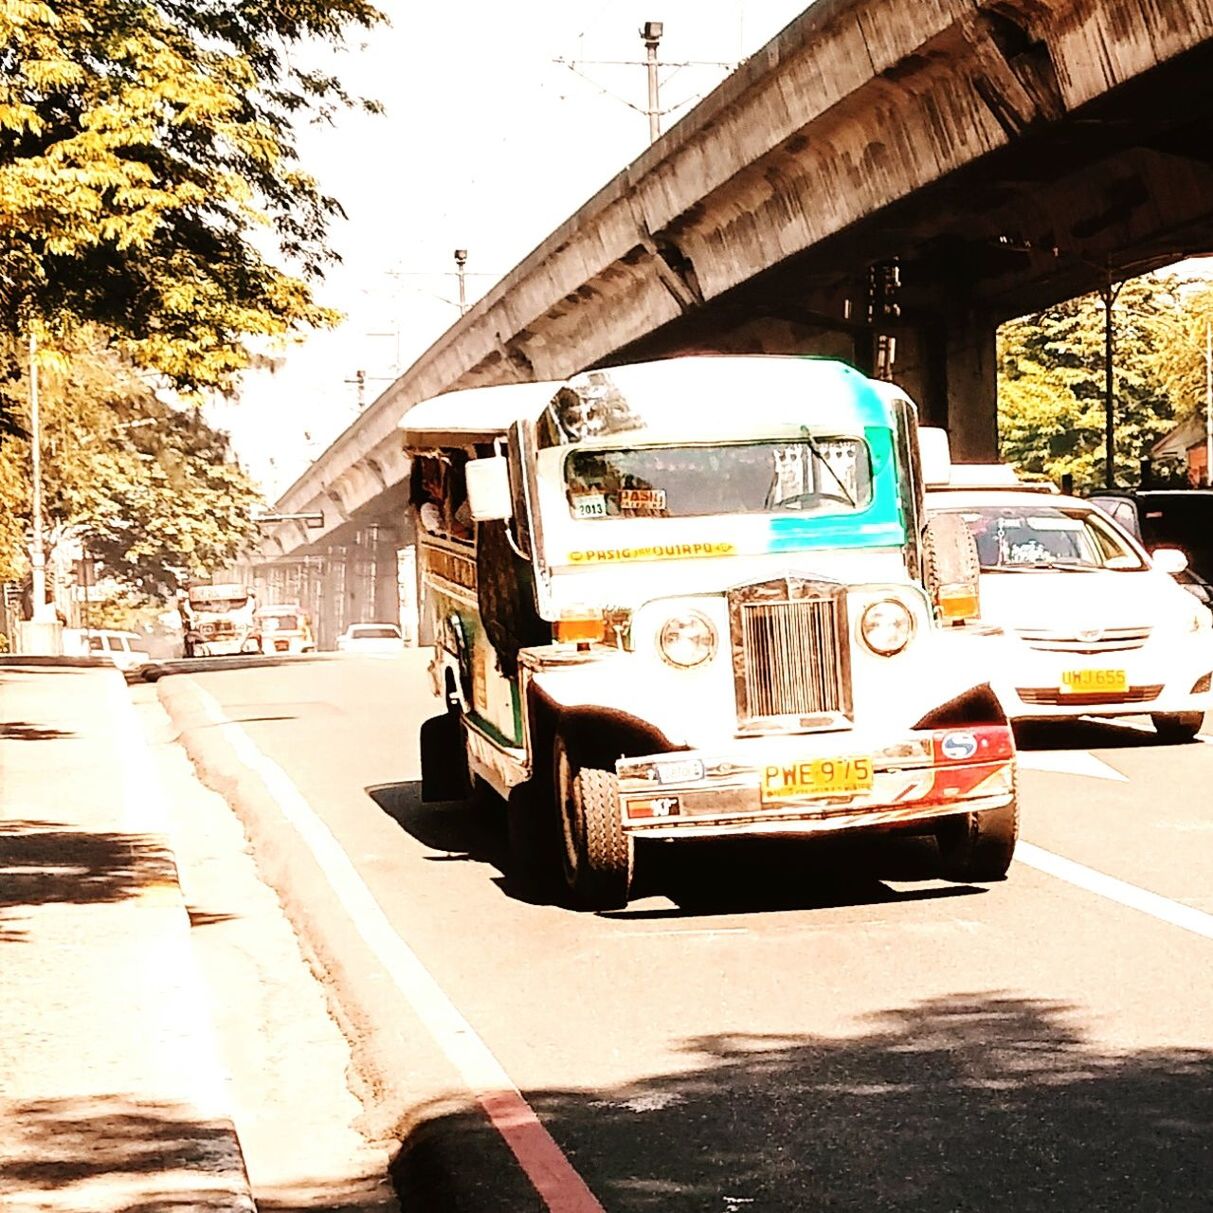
x: 957, y: 602
x: 579, y: 625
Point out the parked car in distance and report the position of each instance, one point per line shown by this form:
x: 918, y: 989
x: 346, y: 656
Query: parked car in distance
x: 382, y: 639
x: 1092, y: 623
x: 124, y: 649
x: 1178, y: 518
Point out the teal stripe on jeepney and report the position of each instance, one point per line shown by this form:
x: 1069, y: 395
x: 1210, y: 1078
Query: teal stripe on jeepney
x: 880, y: 525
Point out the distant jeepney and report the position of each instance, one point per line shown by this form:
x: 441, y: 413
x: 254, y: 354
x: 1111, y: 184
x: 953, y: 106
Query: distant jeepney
x: 285, y: 628
x: 700, y: 598
x: 220, y: 620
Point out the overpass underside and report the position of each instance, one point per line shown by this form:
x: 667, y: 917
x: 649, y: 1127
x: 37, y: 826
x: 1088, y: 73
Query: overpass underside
x: 917, y: 291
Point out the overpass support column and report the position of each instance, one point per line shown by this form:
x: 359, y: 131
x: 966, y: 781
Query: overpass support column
x: 951, y: 370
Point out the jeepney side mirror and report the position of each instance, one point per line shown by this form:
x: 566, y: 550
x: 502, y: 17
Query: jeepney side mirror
x: 488, y: 485
x: 935, y: 455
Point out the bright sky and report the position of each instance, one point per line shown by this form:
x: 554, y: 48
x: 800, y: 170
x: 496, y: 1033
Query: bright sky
x: 487, y: 144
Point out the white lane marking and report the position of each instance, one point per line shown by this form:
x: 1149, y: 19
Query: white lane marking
x: 1069, y: 762
x: 1162, y: 908
x: 561, y: 1187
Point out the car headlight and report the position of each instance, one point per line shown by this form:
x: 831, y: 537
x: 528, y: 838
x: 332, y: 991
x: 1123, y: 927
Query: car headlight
x: 886, y: 626
x: 687, y: 639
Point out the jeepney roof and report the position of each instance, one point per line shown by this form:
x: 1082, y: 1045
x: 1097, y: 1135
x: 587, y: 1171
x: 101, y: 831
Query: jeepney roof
x: 475, y: 414
x: 694, y: 398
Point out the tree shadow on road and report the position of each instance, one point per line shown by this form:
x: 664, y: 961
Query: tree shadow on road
x: 23, y: 730
x: 970, y: 1102
x: 44, y: 863
x: 702, y: 877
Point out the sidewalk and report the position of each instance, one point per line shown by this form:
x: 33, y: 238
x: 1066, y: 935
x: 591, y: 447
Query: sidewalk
x: 111, y: 1093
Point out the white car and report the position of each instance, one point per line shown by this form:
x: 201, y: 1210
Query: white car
x: 1092, y: 624
x: 124, y: 649
x: 382, y: 639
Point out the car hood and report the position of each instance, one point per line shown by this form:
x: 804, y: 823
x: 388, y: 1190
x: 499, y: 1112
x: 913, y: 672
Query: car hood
x: 1068, y: 602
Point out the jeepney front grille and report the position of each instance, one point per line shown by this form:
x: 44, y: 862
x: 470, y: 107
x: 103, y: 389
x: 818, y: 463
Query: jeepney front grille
x: 790, y: 661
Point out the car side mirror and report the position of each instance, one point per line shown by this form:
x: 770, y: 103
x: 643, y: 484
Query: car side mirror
x: 488, y: 485
x: 1169, y: 560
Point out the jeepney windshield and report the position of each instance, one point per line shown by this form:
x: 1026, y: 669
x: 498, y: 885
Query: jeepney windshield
x: 811, y: 475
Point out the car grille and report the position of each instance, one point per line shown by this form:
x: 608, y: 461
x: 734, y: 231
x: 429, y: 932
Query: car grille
x: 1084, y: 699
x: 1107, y: 640
x: 790, y: 661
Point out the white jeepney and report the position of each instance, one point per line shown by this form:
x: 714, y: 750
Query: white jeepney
x: 219, y: 620
x: 700, y: 598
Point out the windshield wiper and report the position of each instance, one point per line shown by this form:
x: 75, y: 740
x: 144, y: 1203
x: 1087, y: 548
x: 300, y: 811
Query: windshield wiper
x: 820, y: 456
x: 1042, y: 566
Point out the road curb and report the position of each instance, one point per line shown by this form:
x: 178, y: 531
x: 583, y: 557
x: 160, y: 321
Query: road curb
x: 448, y: 1158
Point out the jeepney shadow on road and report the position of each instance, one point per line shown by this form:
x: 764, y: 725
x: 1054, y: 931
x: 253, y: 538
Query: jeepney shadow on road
x: 743, y: 875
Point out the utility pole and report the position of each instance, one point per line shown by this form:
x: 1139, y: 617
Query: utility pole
x: 1108, y: 295
x: 461, y: 260
x: 359, y: 382
x: 1208, y: 404
x: 650, y: 32
x: 42, y: 611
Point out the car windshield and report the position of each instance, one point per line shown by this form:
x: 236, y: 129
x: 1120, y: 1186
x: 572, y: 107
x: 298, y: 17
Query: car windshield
x: 810, y: 475
x: 385, y: 632
x: 1034, y: 536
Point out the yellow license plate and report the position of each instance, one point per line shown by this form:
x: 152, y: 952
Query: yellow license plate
x: 816, y: 777
x: 1095, y: 682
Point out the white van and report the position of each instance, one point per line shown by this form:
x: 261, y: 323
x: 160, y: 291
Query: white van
x: 124, y: 649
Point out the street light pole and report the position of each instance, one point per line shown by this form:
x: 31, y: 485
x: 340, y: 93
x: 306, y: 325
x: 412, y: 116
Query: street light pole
x: 461, y: 260
x: 651, y: 33
x: 41, y: 608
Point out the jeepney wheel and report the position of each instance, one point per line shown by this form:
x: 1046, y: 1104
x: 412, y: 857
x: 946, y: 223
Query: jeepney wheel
x: 444, y: 762
x: 978, y: 846
x: 1174, y: 727
x: 596, y: 853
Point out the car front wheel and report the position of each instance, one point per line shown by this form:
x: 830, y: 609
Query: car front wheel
x: 1174, y: 727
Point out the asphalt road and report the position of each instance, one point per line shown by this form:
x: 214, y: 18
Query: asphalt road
x: 836, y: 1030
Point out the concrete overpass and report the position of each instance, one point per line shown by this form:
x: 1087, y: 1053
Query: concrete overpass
x: 887, y: 181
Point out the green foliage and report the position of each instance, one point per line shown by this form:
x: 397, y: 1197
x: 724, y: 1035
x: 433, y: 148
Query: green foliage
x: 149, y: 181
x: 154, y: 488
x: 1051, y: 382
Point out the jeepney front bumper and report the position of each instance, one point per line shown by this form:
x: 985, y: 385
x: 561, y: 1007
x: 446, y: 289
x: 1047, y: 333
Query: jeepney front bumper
x: 823, y: 783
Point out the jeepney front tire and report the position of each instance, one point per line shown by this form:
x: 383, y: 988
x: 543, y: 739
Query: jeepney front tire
x: 1177, y: 727
x: 598, y: 855
x: 978, y: 846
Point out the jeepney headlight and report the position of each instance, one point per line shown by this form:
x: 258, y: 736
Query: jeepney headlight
x: 886, y: 626
x: 687, y: 640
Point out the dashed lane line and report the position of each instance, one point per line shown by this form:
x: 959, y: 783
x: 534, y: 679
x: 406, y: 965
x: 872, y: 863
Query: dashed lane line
x: 1077, y: 874
x: 563, y: 1190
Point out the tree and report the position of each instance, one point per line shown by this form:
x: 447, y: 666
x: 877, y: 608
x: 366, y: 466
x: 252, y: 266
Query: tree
x: 1051, y: 382
x: 153, y: 489
x: 149, y: 181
